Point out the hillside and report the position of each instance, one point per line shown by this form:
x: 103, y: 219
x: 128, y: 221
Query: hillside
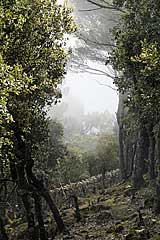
x: 118, y: 212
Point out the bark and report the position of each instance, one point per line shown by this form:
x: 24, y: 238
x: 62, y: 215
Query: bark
x: 60, y: 224
x: 120, y: 117
x: 139, y: 160
x: 121, y: 153
x: 157, y: 195
x: 30, y: 217
x: 42, y: 191
x: 128, y: 148
x: 24, y: 189
x: 152, y: 142
x: 134, y: 147
x: 38, y: 211
x: 29, y: 183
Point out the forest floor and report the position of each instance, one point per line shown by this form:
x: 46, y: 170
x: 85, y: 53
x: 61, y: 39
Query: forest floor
x: 118, y: 212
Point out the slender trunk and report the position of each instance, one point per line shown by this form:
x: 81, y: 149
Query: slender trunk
x: 120, y: 117
x: 127, y: 155
x: 38, y: 211
x: 152, y: 142
x: 121, y: 152
x: 24, y: 190
x: 18, y: 171
x: 30, y: 217
x: 28, y: 182
x: 157, y: 195
x: 139, y: 160
x: 60, y: 224
x: 132, y: 161
x: 42, y: 191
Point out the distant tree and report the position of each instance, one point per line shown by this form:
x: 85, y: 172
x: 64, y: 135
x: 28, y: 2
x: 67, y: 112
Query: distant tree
x: 93, y: 16
x: 73, y: 167
x: 107, y: 152
x: 57, y: 148
x: 98, y: 123
x: 93, y: 163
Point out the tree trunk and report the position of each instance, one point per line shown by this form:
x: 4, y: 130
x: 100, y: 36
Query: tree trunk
x: 120, y: 118
x: 42, y: 191
x: 27, y: 182
x: 22, y: 181
x: 24, y: 190
x: 121, y: 153
x: 60, y: 224
x: 139, y: 160
x: 157, y: 195
x: 30, y: 217
x: 38, y: 211
x: 151, y: 156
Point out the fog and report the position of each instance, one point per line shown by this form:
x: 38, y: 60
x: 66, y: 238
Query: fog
x: 94, y: 97
x: 96, y: 93
x: 93, y: 90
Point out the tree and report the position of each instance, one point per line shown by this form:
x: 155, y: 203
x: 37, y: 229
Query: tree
x: 57, y: 148
x: 98, y: 123
x: 73, y: 167
x: 93, y: 16
x: 32, y: 64
x: 107, y: 151
x: 136, y: 57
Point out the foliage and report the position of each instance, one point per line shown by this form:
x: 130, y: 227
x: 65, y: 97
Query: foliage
x: 107, y: 151
x: 84, y: 156
x: 73, y: 167
x: 32, y: 65
x: 57, y: 148
x: 32, y: 62
x: 96, y: 159
x: 136, y: 56
x: 92, y: 18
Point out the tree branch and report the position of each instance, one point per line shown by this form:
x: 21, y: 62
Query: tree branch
x: 89, y: 10
x: 98, y: 70
x: 110, y: 6
x: 94, y: 42
x: 104, y: 84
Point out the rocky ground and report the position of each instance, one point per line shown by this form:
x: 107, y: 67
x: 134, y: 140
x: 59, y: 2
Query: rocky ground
x: 118, y: 213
